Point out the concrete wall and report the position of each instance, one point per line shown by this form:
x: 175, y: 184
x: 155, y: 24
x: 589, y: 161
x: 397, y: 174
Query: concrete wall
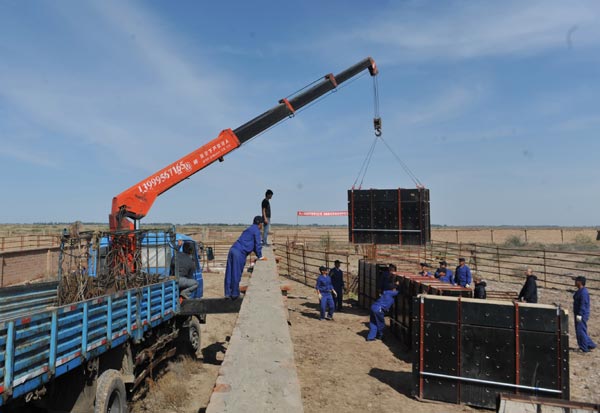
x: 18, y: 267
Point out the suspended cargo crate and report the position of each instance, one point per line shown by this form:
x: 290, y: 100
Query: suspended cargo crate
x: 389, y: 216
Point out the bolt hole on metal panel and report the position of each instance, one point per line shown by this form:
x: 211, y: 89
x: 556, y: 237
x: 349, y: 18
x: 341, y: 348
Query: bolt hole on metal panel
x: 389, y: 216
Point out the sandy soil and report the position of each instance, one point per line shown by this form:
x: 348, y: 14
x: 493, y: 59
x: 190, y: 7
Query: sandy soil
x: 340, y: 371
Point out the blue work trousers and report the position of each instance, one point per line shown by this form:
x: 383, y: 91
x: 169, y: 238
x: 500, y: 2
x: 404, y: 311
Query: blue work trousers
x: 266, y: 228
x: 340, y: 297
x: 584, y: 341
x: 326, y: 301
x: 236, y: 260
x: 376, y: 322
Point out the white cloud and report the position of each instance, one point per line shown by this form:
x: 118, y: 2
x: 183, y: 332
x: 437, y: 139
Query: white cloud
x: 137, y: 91
x: 463, y: 30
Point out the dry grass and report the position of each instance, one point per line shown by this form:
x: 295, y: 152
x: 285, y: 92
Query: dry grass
x: 169, y: 392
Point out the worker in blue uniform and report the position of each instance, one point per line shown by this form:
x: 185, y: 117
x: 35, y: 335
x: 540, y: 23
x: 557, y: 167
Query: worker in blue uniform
x: 463, y: 275
x: 378, y: 309
x: 448, y: 272
x: 444, y: 277
x: 248, y: 242
x: 337, y: 280
x: 581, y: 310
x: 424, y: 270
x: 325, y: 290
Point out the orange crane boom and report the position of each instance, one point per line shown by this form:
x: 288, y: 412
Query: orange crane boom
x: 134, y: 203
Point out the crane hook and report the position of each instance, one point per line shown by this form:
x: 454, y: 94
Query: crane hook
x: 377, y: 126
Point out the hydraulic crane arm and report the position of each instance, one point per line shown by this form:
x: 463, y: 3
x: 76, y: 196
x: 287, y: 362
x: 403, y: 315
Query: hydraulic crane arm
x: 135, y: 202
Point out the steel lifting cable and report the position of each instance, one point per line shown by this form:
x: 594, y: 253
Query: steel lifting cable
x: 404, y: 166
x: 365, y: 165
x: 377, y: 126
x: 378, y: 133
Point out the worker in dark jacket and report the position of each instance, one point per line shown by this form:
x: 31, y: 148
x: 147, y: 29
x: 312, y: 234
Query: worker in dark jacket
x: 184, y: 266
x: 337, y: 280
x: 247, y: 243
x: 581, y: 310
x: 386, y: 281
x: 462, y: 275
x: 324, y: 292
x: 528, y: 293
x: 378, y: 309
x: 479, y: 291
x: 425, y: 270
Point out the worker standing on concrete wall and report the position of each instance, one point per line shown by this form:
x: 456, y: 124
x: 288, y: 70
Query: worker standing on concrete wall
x: 248, y: 242
x: 463, y: 274
x: 324, y: 291
x: 581, y: 309
x: 337, y: 279
x: 265, y: 207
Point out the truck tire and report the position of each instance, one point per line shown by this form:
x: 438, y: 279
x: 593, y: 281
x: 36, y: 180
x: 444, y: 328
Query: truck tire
x: 189, y: 337
x: 111, y: 396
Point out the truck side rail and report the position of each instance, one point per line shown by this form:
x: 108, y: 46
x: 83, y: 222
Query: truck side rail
x: 17, y: 301
x: 48, y: 343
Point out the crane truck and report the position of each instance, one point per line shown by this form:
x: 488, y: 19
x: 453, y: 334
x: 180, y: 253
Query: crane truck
x: 88, y: 341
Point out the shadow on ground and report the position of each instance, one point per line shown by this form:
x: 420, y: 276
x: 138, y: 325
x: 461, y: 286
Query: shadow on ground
x: 401, y: 381
x: 209, y: 353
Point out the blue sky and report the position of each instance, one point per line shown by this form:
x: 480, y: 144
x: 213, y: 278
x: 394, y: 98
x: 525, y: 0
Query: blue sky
x: 494, y: 106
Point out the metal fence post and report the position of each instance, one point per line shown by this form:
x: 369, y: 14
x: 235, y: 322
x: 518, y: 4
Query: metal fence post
x: 304, y: 263
x: 498, y: 261
x: 544, y: 268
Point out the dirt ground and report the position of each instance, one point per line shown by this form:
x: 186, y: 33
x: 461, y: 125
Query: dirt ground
x: 337, y: 368
x: 185, y: 384
x: 340, y: 371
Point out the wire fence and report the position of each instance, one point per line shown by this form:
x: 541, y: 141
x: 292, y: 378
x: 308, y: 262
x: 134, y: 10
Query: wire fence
x: 301, y: 263
x: 555, y: 269
x: 28, y: 241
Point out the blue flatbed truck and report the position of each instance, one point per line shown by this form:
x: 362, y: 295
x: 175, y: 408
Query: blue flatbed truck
x: 98, y: 350
x: 90, y: 355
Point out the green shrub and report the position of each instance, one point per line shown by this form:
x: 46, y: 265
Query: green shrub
x: 514, y: 241
x: 583, y: 239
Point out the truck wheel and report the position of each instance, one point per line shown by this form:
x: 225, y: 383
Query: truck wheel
x: 110, y: 393
x: 189, y: 338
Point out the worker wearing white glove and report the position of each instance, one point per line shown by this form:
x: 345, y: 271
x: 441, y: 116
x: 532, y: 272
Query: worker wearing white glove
x: 463, y: 274
x: 581, y: 309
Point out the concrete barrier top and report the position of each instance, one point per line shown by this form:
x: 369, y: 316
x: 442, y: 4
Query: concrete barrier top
x: 259, y: 371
